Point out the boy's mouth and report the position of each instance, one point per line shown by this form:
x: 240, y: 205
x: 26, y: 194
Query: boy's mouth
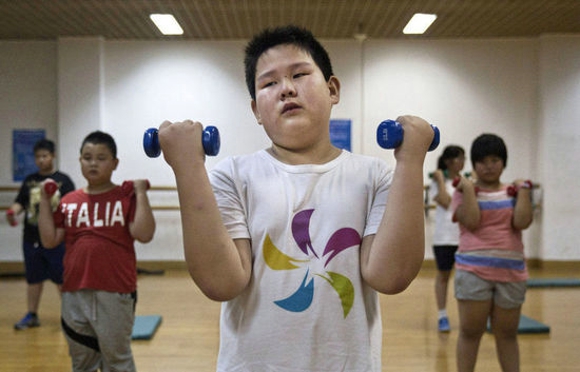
x: 289, y: 107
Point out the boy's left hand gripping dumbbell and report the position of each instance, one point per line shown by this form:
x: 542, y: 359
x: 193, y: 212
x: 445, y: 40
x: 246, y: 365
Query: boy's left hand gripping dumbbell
x: 390, y: 135
x: 210, y: 140
x: 128, y: 187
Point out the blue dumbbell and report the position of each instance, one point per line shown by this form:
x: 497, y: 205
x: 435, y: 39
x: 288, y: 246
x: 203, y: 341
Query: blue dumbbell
x: 390, y: 135
x: 210, y: 140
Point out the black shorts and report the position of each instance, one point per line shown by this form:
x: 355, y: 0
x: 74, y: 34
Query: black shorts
x: 445, y: 256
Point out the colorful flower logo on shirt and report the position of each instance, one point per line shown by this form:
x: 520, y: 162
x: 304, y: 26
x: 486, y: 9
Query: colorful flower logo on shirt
x: 341, y: 240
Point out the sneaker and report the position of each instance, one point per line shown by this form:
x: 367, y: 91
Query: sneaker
x: 29, y: 321
x: 444, y: 325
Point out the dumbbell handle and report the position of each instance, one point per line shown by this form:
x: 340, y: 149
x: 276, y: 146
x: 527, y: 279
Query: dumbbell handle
x: 390, y: 135
x: 512, y: 190
x: 210, y: 140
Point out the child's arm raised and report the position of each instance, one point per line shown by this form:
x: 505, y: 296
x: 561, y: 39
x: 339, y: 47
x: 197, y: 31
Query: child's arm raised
x: 523, y: 210
x: 218, y: 265
x: 467, y: 213
x: 391, y: 259
x: 143, y: 226
x: 50, y: 235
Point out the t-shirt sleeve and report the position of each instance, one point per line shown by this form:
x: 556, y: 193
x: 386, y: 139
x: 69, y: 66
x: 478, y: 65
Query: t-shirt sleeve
x: 378, y: 201
x: 229, y: 200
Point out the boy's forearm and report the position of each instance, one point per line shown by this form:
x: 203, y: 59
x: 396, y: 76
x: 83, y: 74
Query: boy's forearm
x: 143, y: 227
x: 46, y: 228
x: 523, y: 210
x: 398, y: 248
x: 213, y: 260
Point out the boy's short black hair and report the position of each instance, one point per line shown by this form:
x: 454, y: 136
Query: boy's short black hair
x: 293, y: 35
x: 488, y: 144
x: 450, y: 152
x: 44, y: 144
x: 98, y: 138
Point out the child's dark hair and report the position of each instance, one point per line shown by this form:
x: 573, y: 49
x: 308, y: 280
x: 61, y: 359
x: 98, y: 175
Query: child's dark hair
x: 488, y: 144
x: 44, y: 144
x: 103, y: 138
x: 450, y: 152
x: 293, y: 35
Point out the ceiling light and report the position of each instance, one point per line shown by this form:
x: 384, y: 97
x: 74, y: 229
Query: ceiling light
x: 167, y: 24
x: 419, y: 23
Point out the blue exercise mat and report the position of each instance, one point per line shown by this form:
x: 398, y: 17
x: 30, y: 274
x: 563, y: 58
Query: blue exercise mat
x: 553, y: 282
x: 528, y: 325
x: 145, y: 326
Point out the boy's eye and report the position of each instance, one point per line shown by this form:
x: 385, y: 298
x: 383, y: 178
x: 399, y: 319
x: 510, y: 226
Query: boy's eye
x: 300, y: 74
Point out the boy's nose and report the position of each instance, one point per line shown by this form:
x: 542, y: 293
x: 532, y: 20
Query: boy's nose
x: 288, y: 89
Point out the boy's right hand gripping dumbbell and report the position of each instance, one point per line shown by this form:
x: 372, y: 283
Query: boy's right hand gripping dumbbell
x: 210, y: 140
x: 390, y: 135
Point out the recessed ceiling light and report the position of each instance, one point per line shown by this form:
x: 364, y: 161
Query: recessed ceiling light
x: 167, y: 24
x: 419, y: 23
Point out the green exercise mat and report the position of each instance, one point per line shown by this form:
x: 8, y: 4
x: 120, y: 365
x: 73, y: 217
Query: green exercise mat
x: 528, y: 325
x: 553, y: 282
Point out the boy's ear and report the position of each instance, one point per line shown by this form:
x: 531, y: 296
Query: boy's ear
x: 255, y: 111
x: 116, y: 161
x: 334, y: 88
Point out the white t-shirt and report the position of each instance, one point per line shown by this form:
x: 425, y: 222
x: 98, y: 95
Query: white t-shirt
x: 446, y: 232
x: 306, y: 308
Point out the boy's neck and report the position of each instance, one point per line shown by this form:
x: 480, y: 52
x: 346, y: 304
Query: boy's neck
x: 99, y: 188
x: 291, y: 157
x: 47, y: 172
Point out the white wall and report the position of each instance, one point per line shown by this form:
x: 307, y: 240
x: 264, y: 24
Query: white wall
x: 516, y: 88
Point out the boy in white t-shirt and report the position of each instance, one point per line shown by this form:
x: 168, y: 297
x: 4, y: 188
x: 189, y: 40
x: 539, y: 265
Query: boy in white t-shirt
x: 297, y: 239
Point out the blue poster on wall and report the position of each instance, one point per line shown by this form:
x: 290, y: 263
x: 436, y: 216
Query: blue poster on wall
x: 23, y: 141
x: 340, y: 133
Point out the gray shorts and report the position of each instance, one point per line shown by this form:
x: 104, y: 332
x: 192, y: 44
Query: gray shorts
x: 471, y: 287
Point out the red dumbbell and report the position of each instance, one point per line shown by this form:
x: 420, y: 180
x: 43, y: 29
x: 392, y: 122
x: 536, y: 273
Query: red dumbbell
x: 512, y: 189
x: 11, y: 217
x: 456, y: 181
x: 50, y: 187
x: 128, y: 187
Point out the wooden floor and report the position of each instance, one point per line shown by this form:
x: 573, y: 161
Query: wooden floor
x: 187, y: 339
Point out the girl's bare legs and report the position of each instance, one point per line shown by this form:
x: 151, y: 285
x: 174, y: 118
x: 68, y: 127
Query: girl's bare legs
x: 472, y: 324
x: 504, y: 323
x: 441, y: 285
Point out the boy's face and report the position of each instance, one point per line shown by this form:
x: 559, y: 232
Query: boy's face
x: 44, y: 160
x: 489, y: 169
x: 97, y: 163
x: 293, y: 100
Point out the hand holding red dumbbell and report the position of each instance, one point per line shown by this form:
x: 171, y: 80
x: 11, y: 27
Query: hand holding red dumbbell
x: 50, y: 187
x: 459, y: 182
x: 513, y: 189
x: 128, y: 187
x: 11, y: 217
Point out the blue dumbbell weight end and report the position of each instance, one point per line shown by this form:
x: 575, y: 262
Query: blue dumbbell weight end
x: 210, y: 139
x: 390, y: 135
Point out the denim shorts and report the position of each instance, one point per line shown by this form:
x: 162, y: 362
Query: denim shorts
x: 43, y: 263
x: 507, y: 295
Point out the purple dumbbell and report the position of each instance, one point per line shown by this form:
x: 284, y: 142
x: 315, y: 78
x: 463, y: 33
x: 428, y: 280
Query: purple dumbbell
x: 390, y: 135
